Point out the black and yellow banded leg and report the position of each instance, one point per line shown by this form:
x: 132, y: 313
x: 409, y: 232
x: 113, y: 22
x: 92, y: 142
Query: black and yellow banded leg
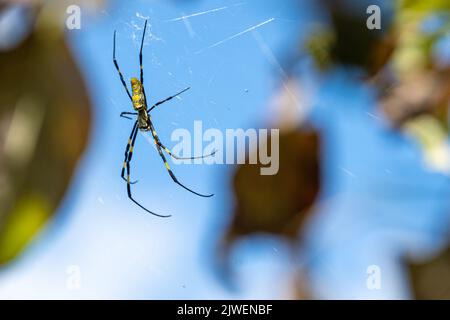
x: 127, y: 164
x: 167, y: 150
x: 117, y: 67
x: 172, y: 175
x: 167, y: 99
x: 128, y: 149
x: 158, y: 142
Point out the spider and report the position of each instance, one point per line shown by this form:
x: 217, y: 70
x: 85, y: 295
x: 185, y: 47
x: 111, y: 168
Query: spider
x: 144, y: 123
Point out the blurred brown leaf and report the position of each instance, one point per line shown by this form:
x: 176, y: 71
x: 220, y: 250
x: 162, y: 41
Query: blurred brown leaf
x: 431, y: 279
x: 276, y: 204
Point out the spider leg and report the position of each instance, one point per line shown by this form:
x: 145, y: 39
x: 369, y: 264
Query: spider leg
x: 117, y: 66
x: 163, y: 147
x: 130, y: 154
x: 172, y: 175
x: 140, y: 54
x: 167, y: 99
x: 127, y: 149
x: 124, y: 114
x: 141, y: 66
x: 142, y: 75
x: 158, y: 142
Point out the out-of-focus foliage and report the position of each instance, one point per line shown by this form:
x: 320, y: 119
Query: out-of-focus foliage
x: 414, y: 94
x: 422, y: 92
x: 431, y: 280
x: 295, y: 187
x: 418, y: 88
x: 346, y: 40
x: 422, y: 85
x: 44, y: 125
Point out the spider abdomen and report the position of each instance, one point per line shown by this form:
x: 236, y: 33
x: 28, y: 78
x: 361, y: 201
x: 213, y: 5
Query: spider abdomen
x: 143, y: 122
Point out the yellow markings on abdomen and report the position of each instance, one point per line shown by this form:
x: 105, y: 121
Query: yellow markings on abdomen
x: 137, y: 95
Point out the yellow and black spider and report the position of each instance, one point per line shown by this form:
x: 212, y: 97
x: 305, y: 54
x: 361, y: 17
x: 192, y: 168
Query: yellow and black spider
x: 144, y: 123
